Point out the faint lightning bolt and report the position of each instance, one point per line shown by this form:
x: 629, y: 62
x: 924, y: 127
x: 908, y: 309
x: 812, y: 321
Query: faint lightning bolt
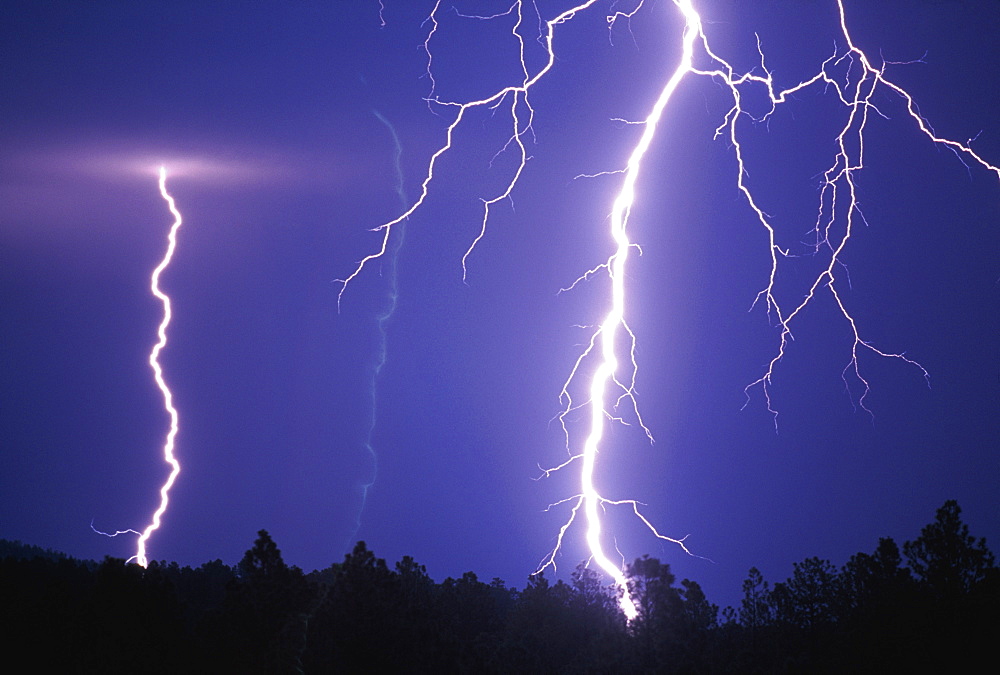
x: 168, y: 397
x: 382, y: 319
x: 837, y: 211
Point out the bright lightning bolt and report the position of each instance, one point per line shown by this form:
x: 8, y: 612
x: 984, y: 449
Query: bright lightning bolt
x: 168, y: 397
x: 853, y: 79
x: 154, y: 363
x: 613, y: 322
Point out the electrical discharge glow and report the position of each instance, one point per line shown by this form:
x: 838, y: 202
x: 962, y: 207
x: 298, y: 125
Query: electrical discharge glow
x: 154, y: 363
x: 851, y: 77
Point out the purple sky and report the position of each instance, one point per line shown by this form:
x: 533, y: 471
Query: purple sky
x: 264, y: 118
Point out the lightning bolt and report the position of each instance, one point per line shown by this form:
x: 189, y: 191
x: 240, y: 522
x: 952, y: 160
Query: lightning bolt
x: 838, y: 210
x: 168, y: 397
x: 382, y: 319
x: 154, y: 363
x: 853, y: 79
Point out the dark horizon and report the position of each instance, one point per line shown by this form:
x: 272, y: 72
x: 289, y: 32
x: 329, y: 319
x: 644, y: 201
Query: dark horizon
x: 932, y: 602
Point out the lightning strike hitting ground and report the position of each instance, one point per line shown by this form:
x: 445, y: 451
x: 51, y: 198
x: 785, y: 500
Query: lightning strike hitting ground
x: 849, y: 75
x: 168, y: 397
x: 154, y: 363
x: 381, y: 319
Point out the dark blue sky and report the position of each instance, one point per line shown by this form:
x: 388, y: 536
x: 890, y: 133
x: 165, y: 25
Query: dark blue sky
x: 265, y: 118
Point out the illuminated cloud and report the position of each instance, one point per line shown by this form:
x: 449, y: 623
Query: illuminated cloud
x: 106, y: 162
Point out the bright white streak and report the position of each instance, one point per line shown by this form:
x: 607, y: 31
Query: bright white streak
x: 854, y: 93
x: 616, y: 316
x: 521, y: 122
x: 154, y: 363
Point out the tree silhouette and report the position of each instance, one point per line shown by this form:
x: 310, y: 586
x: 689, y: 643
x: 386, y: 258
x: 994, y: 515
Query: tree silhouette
x: 942, y: 614
x: 811, y: 595
x: 874, y: 581
x: 946, y: 557
x: 755, y: 609
x: 268, y: 606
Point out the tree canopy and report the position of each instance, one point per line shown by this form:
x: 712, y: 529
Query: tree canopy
x: 939, y: 610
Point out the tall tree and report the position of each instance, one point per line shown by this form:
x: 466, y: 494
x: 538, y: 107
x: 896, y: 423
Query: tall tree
x: 813, y: 594
x: 268, y: 603
x: 658, y: 631
x: 946, y: 557
x: 700, y: 614
x: 870, y: 581
x: 755, y: 609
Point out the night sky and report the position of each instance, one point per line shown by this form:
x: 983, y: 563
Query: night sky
x: 264, y: 115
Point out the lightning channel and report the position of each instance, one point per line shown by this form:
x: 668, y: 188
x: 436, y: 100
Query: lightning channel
x: 154, y: 362
x: 168, y: 398
x: 382, y: 318
x: 854, y: 80
x: 851, y: 77
x: 516, y: 102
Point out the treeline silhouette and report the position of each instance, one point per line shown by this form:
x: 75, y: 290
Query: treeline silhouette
x: 936, y: 612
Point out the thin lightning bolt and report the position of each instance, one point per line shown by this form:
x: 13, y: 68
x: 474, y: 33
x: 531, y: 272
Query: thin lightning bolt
x: 382, y: 319
x: 168, y: 397
x: 855, y: 89
x: 853, y: 79
x: 154, y: 363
